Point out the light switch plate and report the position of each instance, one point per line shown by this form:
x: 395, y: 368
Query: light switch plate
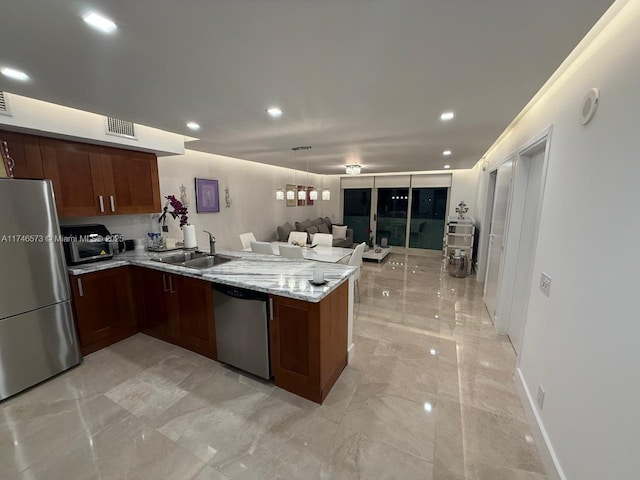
x: 545, y: 284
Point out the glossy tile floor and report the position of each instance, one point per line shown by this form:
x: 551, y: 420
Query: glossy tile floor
x: 429, y: 395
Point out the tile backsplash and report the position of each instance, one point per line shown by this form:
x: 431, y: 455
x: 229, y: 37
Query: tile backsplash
x: 130, y: 226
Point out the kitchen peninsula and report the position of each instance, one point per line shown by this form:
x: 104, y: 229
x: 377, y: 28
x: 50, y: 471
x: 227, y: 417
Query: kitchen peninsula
x: 309, y: 326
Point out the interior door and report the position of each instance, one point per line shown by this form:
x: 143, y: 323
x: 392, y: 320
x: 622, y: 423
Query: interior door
x: 526, y: 251
x: 497, y: 237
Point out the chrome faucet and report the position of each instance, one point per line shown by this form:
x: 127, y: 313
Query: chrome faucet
x: 212, y: 243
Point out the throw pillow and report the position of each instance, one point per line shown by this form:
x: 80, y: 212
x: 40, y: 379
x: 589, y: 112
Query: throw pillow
x: 312, y: 230
x: 284, y: 231
x: 318, y: 221
x: 322, y: 228
x: 339, y: 232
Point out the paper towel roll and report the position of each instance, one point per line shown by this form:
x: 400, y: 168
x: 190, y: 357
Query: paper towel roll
x: 189, y: 236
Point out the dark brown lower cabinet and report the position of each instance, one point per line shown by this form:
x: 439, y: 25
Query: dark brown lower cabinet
x: 104, y: 307
x: 309, y: 343
x: 178, y: 310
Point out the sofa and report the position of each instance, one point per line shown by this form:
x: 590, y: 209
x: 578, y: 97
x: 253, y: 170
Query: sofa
x: 319, y: 225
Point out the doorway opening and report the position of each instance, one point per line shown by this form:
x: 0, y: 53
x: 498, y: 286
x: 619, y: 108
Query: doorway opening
x: 512, y: 245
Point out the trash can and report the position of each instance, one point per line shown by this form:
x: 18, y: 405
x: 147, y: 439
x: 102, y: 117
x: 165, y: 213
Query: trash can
x: 458, y: 263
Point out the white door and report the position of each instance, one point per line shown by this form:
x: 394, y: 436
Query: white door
x: 527, y: 248
x: 496, y: 236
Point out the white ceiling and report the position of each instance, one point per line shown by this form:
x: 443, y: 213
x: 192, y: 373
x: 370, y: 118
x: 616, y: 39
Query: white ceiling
x: 357, y: 79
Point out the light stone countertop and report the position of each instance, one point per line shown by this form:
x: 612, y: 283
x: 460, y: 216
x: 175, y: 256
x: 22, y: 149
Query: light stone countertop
x: 263, y: 273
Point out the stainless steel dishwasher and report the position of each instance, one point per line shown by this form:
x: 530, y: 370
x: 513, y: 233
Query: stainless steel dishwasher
x: 242, y: 329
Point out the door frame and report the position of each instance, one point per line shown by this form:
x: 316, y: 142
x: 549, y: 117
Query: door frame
x: 497, y: 314
x: 510, y: 265
x: 483, y: 241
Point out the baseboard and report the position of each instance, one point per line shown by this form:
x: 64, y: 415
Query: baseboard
x: 547, y: 453
x: 350, y: 353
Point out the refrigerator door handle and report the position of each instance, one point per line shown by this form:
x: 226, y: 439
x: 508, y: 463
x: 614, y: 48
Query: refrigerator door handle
x: 113, y: 203
x: 270, y: 308
x: 101, y: 198
x: 164, y: 282
x: 80, y: 289
x: 171, y: 290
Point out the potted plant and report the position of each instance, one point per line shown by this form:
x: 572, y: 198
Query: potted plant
x: 179, y: 210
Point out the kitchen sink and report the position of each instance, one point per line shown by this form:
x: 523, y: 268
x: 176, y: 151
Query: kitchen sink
x: 197, y: 260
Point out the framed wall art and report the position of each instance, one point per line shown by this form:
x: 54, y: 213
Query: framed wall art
x: 207, y: 196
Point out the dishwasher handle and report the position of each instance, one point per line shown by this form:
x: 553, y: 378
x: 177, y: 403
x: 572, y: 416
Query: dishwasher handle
x: 240, y: 293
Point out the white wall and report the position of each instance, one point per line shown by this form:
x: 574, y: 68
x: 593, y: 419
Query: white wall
x: 29, y: 115
x: 252, y: 188
x: 464, y: 184
x: 582, y: 343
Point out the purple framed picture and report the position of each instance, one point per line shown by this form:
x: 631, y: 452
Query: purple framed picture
x: 207, y: 199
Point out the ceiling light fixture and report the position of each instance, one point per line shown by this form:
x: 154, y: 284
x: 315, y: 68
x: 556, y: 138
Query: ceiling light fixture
x: 14, y: 74
x: 274, y: 112
x: 446, y: 153
x: 193, y: 126
x: 446, y: 116
x: 447, y: 166
x: 97, y: 21
x: 353, y: 169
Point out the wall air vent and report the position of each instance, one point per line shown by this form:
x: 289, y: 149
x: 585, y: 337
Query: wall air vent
x: 4, y: 105
x: 120, y: 128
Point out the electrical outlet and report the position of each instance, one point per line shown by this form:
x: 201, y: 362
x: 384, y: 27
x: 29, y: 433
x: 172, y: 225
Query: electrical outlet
x: 545, y: 284
x: 540, y: 397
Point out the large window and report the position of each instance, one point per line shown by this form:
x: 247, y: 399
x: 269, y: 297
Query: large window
x: 412, y: 217
x: 428, y: 208
x: 357, y: 212
x: 392, y: 215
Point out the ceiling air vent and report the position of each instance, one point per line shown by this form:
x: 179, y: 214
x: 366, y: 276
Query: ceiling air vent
x: 120, y: 128
x: 4, y: 105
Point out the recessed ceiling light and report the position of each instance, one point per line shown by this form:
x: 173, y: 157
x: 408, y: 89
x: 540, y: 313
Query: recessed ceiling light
x: 15, y: 74
x: 446, y: 153
x: 446, y: 116
x: 99, y: 22
x: 193, y: 126
x: 447, y: 166
x: 274, y: 112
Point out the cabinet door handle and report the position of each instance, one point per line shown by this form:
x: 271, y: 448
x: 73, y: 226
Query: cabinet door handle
x: 270, y: 308
x: 171, y: 290
x: 101, y: 199
x: 113, y: 203
x: 80, y: 289
x: 164, y: 282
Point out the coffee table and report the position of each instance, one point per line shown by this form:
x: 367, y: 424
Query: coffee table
x: 372, y: 255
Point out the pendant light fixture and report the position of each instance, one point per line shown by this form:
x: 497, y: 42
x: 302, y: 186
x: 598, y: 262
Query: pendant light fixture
x: 302, y: 194
x: 313, y: 193
x: 326, y: 193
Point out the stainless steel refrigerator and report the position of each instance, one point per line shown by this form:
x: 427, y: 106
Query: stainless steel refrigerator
x: 37, y: 332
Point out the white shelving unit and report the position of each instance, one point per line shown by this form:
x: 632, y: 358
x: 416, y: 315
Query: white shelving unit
x: 459, y: 234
